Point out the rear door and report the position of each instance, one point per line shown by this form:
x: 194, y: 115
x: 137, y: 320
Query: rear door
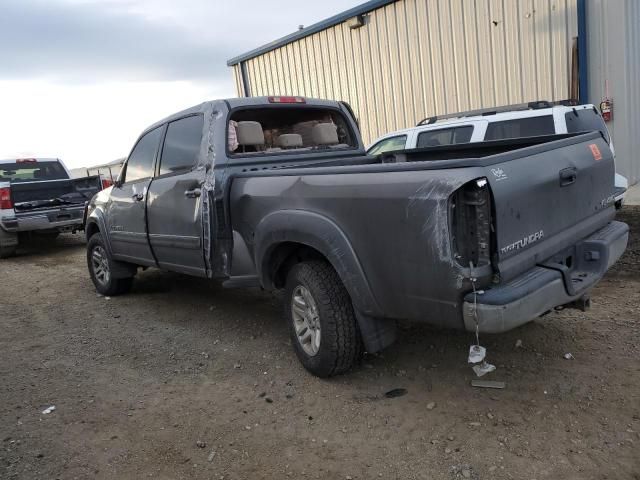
x: 174, y: 200
x: 126, y: 211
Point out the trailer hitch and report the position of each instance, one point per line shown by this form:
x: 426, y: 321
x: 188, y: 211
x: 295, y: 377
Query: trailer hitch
x: 583, y: 304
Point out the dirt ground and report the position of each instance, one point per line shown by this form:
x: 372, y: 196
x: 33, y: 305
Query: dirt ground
x: 184, y: 379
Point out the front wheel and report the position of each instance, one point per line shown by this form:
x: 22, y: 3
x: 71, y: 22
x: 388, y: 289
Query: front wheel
x: 322, y: 324
x: 101, y: 269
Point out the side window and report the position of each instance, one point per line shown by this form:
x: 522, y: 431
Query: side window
x: 521, y: 127
x: 140, y: 162
x: 388, y: 145
x: 445, y: 136
x: 181, y: 144
x: 586, y: 120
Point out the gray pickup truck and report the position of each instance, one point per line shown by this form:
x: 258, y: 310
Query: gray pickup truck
x: 38, y: 196
x: 278, y: 192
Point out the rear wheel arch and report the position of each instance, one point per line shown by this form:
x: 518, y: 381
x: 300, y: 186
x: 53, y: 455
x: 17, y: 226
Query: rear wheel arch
x: 285, y: 237
x: 283, y: 257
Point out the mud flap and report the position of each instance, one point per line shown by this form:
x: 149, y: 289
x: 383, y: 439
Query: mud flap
x: 377, y: 333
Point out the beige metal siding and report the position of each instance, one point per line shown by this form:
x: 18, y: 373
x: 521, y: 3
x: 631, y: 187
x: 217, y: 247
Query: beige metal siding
x: 613, y: 48
x: 417, y: 58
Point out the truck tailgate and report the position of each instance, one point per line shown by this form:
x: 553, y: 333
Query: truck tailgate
x: 27, y: 196
x: 543, y: 202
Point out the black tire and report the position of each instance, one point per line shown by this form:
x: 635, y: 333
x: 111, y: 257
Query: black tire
x: 340, y: 343
x: 105, y: 285
x: 48, y: 235
x: 10, y: 250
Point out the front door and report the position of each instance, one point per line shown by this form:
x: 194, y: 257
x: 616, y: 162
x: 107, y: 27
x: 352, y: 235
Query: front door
x: 127, y: 212
x: 174, y: 205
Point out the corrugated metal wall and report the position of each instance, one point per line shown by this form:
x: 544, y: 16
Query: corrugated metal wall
x: 417, y: 58
x: 613, y: 46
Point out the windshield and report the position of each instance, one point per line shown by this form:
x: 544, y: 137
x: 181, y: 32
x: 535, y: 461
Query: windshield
x: 32, y: 171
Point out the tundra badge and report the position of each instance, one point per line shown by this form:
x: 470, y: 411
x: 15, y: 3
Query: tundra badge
x: 523, y: 242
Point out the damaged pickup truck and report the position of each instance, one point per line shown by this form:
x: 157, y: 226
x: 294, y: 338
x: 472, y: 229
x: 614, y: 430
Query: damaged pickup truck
x: 37, y: 196
x: 278, y: 192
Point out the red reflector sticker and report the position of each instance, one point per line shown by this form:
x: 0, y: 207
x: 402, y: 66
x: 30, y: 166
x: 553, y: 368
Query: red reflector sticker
x: 595, y: 151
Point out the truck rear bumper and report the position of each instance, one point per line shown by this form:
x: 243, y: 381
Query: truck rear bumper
x: 546, y: 286
x: 53, y: 219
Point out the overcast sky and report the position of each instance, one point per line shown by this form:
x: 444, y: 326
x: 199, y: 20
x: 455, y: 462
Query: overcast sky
x: 79, y: 79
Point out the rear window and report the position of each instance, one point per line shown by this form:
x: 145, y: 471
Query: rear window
x: 32, y: 171
x: 586, y: 120
x: 275, y: 131
x: 521, y: 127
x: 445, y: 136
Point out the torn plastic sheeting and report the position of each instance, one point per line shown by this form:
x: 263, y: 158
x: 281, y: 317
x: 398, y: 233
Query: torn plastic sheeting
x: 212, y: 111
x: 476, y: 354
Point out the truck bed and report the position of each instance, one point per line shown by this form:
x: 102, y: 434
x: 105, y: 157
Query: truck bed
x: 396, y: 212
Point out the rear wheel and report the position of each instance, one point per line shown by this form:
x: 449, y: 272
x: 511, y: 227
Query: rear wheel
x: 322, y: 324
x: 101, y: 269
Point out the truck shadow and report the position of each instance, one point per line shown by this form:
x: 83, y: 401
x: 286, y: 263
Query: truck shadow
x: 422, y: 356
x: 34, y: 246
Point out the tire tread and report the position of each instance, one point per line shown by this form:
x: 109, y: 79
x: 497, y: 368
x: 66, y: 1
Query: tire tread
x: 340, y: 328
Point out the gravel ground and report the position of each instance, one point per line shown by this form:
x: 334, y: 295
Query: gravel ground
x: 183, y: 379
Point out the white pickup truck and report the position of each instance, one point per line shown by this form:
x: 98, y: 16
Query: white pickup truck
x: 38, y: 195
x: 501, y: 123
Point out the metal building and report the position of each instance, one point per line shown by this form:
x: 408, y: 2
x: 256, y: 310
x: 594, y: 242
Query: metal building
x: 398, y: 61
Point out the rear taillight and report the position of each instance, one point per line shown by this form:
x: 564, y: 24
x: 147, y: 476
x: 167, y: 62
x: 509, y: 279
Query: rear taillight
x: 471, y: 223
x: 5, y: 198
x: 106, y: 184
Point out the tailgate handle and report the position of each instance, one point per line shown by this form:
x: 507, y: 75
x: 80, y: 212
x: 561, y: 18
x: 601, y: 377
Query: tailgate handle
x: 568, y: 176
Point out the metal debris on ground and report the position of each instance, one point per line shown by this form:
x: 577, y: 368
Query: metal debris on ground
x: 478, y: 353
x: 48, y: 409
x: 487, y: 384
x: 568, y: 356
x: 483, y: 368
x: 518, y: 343
x: 396, y: 392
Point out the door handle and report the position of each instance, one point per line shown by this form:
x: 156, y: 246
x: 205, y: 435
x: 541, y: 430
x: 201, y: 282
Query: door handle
x: 137, y: 196
x: 196, y: 192
x: 568, y: 176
